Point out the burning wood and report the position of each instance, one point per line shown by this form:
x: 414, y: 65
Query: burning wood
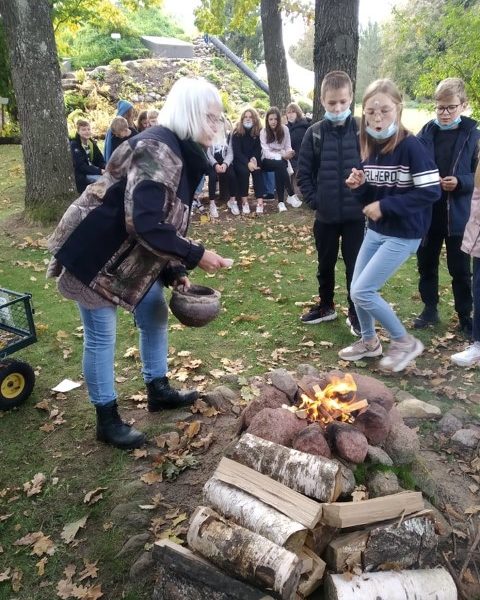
x: 334, y: 403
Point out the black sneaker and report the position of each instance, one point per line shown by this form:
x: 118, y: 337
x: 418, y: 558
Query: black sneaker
x: 465, y: 326
x: 269, y: 196
x: 318, y: 314
x: 429, y: 316
x: 352, y: 322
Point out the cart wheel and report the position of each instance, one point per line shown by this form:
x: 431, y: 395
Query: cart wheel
x: 16, y: 383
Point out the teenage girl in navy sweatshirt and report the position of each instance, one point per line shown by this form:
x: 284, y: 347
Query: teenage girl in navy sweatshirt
x: 397, y: 186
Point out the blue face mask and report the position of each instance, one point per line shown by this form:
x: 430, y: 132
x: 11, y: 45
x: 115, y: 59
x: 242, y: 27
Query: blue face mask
x: 384, y: 134
x: 247, y: 124
x: 451, y: 125
x: 334, y: 118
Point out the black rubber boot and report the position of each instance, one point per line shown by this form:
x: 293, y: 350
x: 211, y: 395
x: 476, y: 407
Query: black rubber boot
x: 428, y: 316
x: 112, y: 430
x: 161, y: 396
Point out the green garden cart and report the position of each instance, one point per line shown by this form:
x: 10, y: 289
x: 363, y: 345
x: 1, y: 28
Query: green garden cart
x: 17, y: 330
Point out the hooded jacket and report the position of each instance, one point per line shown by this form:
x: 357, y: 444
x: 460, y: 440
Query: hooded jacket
x: 297, y: 131
x: 464, y: 162
x: 83, y: 164
x: 123, y: 106
x: 129, y: 228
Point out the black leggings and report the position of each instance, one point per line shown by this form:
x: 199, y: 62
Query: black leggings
x: 242, y: 175
x: 282, y: 178
x: 228, y: 178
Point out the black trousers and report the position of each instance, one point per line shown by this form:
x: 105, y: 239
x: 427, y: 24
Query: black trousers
x: 226, y: 179
x: 458, y: 264
x: 242, y: 175
x: 282, y: 178
x: 327, y: 240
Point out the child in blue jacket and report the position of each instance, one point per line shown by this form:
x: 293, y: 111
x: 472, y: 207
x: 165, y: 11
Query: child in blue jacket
x: 397, y: 186
x: 452, y: 141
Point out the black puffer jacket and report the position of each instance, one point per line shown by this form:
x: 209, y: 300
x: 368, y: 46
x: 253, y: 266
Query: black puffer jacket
x: 84, y: 165
x: 326, y: 158
x: 297, y: 132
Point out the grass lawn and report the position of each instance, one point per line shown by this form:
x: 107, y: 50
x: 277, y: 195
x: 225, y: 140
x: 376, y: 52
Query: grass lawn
x: 259, y: 329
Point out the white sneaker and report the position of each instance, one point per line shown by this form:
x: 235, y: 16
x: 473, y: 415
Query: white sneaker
x: 245, y: 209
x: 469, y: 357
x: 197, y: 205
x: 213, y: 210
x: 361, y: 349
x: 233, y: 206
x: 259, y: 209
x: 294, y: 201
x: 281, y: 207
x: 399, y: 354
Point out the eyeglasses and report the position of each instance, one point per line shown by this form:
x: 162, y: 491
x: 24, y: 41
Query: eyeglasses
x: 213, y: 119
x: 448, y: 109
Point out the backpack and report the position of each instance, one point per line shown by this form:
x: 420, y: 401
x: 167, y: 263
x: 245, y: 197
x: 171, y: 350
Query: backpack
x: 318, y: 141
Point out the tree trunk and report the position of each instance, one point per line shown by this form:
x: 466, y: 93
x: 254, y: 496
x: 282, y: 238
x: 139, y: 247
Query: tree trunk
x: 275, y: 58
x: 41, y: 113
x: 251, y: 513
x: 244, y: 554
x: 336, y: 43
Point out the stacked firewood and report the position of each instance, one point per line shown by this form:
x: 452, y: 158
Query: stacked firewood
x: 272, y: 527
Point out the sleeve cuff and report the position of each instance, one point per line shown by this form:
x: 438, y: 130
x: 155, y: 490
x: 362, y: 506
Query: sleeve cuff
x: 194, y: 255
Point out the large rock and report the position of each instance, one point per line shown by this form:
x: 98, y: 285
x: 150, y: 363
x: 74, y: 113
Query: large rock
x: 222, y: 397
x: 402, y: 444
x: 382, y: 484
x: 312, y: 440
x: 452, y: 421
x: 348, y: 442
x: 377, y: 456
x: 414, y: 408
x: 466, y: 438
x: 283, y: 381
x: 270, y: 397
x: 276, y: 425
x: 374, y: 424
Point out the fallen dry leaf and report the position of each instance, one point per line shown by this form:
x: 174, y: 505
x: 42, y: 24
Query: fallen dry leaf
x: 41, y: 566
x: 90, y: 570
x: 151, y: 477
x: 70, y: 531
x: 94, y: 496
x: 35, y: 486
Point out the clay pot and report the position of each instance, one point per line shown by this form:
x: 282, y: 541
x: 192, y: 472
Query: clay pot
x: 195, y: 306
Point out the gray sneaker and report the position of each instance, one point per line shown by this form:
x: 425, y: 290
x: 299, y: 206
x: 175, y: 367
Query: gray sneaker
x: 399, y: 354
x: 361, y: 349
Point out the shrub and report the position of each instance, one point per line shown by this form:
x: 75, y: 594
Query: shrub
x: 74, y: 101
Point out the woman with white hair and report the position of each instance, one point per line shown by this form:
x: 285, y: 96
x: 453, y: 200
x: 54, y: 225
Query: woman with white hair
x: 124, y: 239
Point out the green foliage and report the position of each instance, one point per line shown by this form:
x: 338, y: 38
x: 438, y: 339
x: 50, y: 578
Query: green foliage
x: 458, y: 55
x: 218, y: 16
x: 302, y: 52
x: 6, y: 87
x: 74, y: 101
x: 305, y: 106
x: 10, y: 129
x: 92, y: 47
x: 369, y: 58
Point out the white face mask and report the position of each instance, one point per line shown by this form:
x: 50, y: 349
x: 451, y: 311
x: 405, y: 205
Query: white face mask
x: 337, y: 118
x: 247, y: 124
x: 384, y: 134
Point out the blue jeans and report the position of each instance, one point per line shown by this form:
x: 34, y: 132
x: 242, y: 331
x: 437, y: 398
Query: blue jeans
x: 269, y: 182
x: 99, y: 335
x: 380, y: 256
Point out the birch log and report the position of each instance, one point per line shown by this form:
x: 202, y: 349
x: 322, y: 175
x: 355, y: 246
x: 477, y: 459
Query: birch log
x: 251, y: 513
x: 244, y: 554
x: 423, y: 584
x: 314, y: 476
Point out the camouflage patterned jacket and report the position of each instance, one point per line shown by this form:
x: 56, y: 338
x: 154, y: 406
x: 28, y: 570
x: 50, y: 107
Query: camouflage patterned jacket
x: 128, y: 228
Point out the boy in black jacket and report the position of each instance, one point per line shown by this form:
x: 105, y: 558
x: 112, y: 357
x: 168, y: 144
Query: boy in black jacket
x: 452, y: 140
x: 88, y: 161
x: 328, y: 153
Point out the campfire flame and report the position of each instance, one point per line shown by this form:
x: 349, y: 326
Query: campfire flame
x: 334, y: 403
